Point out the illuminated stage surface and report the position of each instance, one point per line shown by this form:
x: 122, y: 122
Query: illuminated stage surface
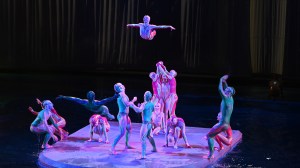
x: 77, y: 152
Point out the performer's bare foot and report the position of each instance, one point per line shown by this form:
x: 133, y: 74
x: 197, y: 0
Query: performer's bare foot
x: 46, y: 146
x: 90, y: 140
x: 100, y: 140
x: 220, y: 148
x: 154, y: 150
x: 107, y: 141
x: 113, y: 151
x: 141, y: 158
x: 188, y: 146
x: 175, y: 147
x: 129, y: 147
x: 210, y: 156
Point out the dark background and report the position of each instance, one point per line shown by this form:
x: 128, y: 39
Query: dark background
x: 212, y: 37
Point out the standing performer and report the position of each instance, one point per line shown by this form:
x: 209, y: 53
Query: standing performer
x: 147, y: 31
x: 226, y: 109
x: 123, y: 118
x: 156, y: 86
x: 168, y: 95
x: 40, y: 124
x: 176, y: 130
x: 96, y: 106
x: 59, y: 120
x: 99, y: 125
x: 146, y: 108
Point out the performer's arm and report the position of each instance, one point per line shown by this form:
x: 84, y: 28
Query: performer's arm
x: 104, y: 132
x: 32, y: 111
x: 133, y: 25
x: 74, y: 99
x: 166, y: 136
x: 106, y: 100
x: 162, y: 27
x: 221, y: 90
x: 184, y: 136
x: 138, y: 109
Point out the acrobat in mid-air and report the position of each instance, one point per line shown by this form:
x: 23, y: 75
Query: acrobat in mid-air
x: 147, y: 31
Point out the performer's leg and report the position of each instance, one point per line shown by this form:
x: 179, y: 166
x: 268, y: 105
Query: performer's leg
x: 151, y: 140
x: 128, y: 132
x: 210, y: 138
x: 173, y: 103
x: 152, y: 34
x: 143, y: 135
x: 122, y: 126
x: 228, y: 139
x: 176, y: 136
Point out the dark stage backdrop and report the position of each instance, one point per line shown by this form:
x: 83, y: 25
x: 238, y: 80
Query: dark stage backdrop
x: 213, y: 37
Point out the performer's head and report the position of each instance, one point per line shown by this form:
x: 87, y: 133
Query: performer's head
x: 219, y: 117
x: 152, y: 75
x: 157, y: 106
x: 146, y: 19
x: 90, y: 95
x: 147, y: 96
x: 47, y: 104
x: 174, y: 119
x: 229, y: 91
x: 119, y: 87
x: 104, y: 110
x: 173, y: 73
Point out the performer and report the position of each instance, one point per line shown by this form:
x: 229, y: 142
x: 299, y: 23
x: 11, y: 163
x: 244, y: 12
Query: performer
x: 146, y: 108
x: 123, y: 118
x: 59, y: 120
x: 226, y: 109
x: 157, y: 119
x: 156, y: 86
x: 221, y: 139
x: 96, y: 106
x: 176, y: 130
x: 147, y: 31
x: 40, y: 125
x: 99, y: 125
x: 168, y: 95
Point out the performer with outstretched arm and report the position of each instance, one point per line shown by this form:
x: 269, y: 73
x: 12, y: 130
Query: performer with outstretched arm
x: 147, y: 31
x: 95, y: 106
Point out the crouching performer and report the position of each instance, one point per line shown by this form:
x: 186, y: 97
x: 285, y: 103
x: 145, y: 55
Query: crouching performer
x: 40, y: 125
x: 99, y: 125
x: 176, y: 131
x: 59, y: 120
x: 146, y: 108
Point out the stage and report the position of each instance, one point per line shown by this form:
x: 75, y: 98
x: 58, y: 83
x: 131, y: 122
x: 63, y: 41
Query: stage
x: 77, y: 152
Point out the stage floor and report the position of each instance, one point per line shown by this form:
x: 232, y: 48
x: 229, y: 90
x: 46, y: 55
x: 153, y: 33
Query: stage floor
x: 77, y: 152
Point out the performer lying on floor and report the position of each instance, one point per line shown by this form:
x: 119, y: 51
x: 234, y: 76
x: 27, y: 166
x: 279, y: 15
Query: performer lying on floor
x: 93, y: 105
x: 147, y: 31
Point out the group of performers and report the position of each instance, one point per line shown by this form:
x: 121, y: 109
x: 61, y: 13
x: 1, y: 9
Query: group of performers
x: 158, y: 110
